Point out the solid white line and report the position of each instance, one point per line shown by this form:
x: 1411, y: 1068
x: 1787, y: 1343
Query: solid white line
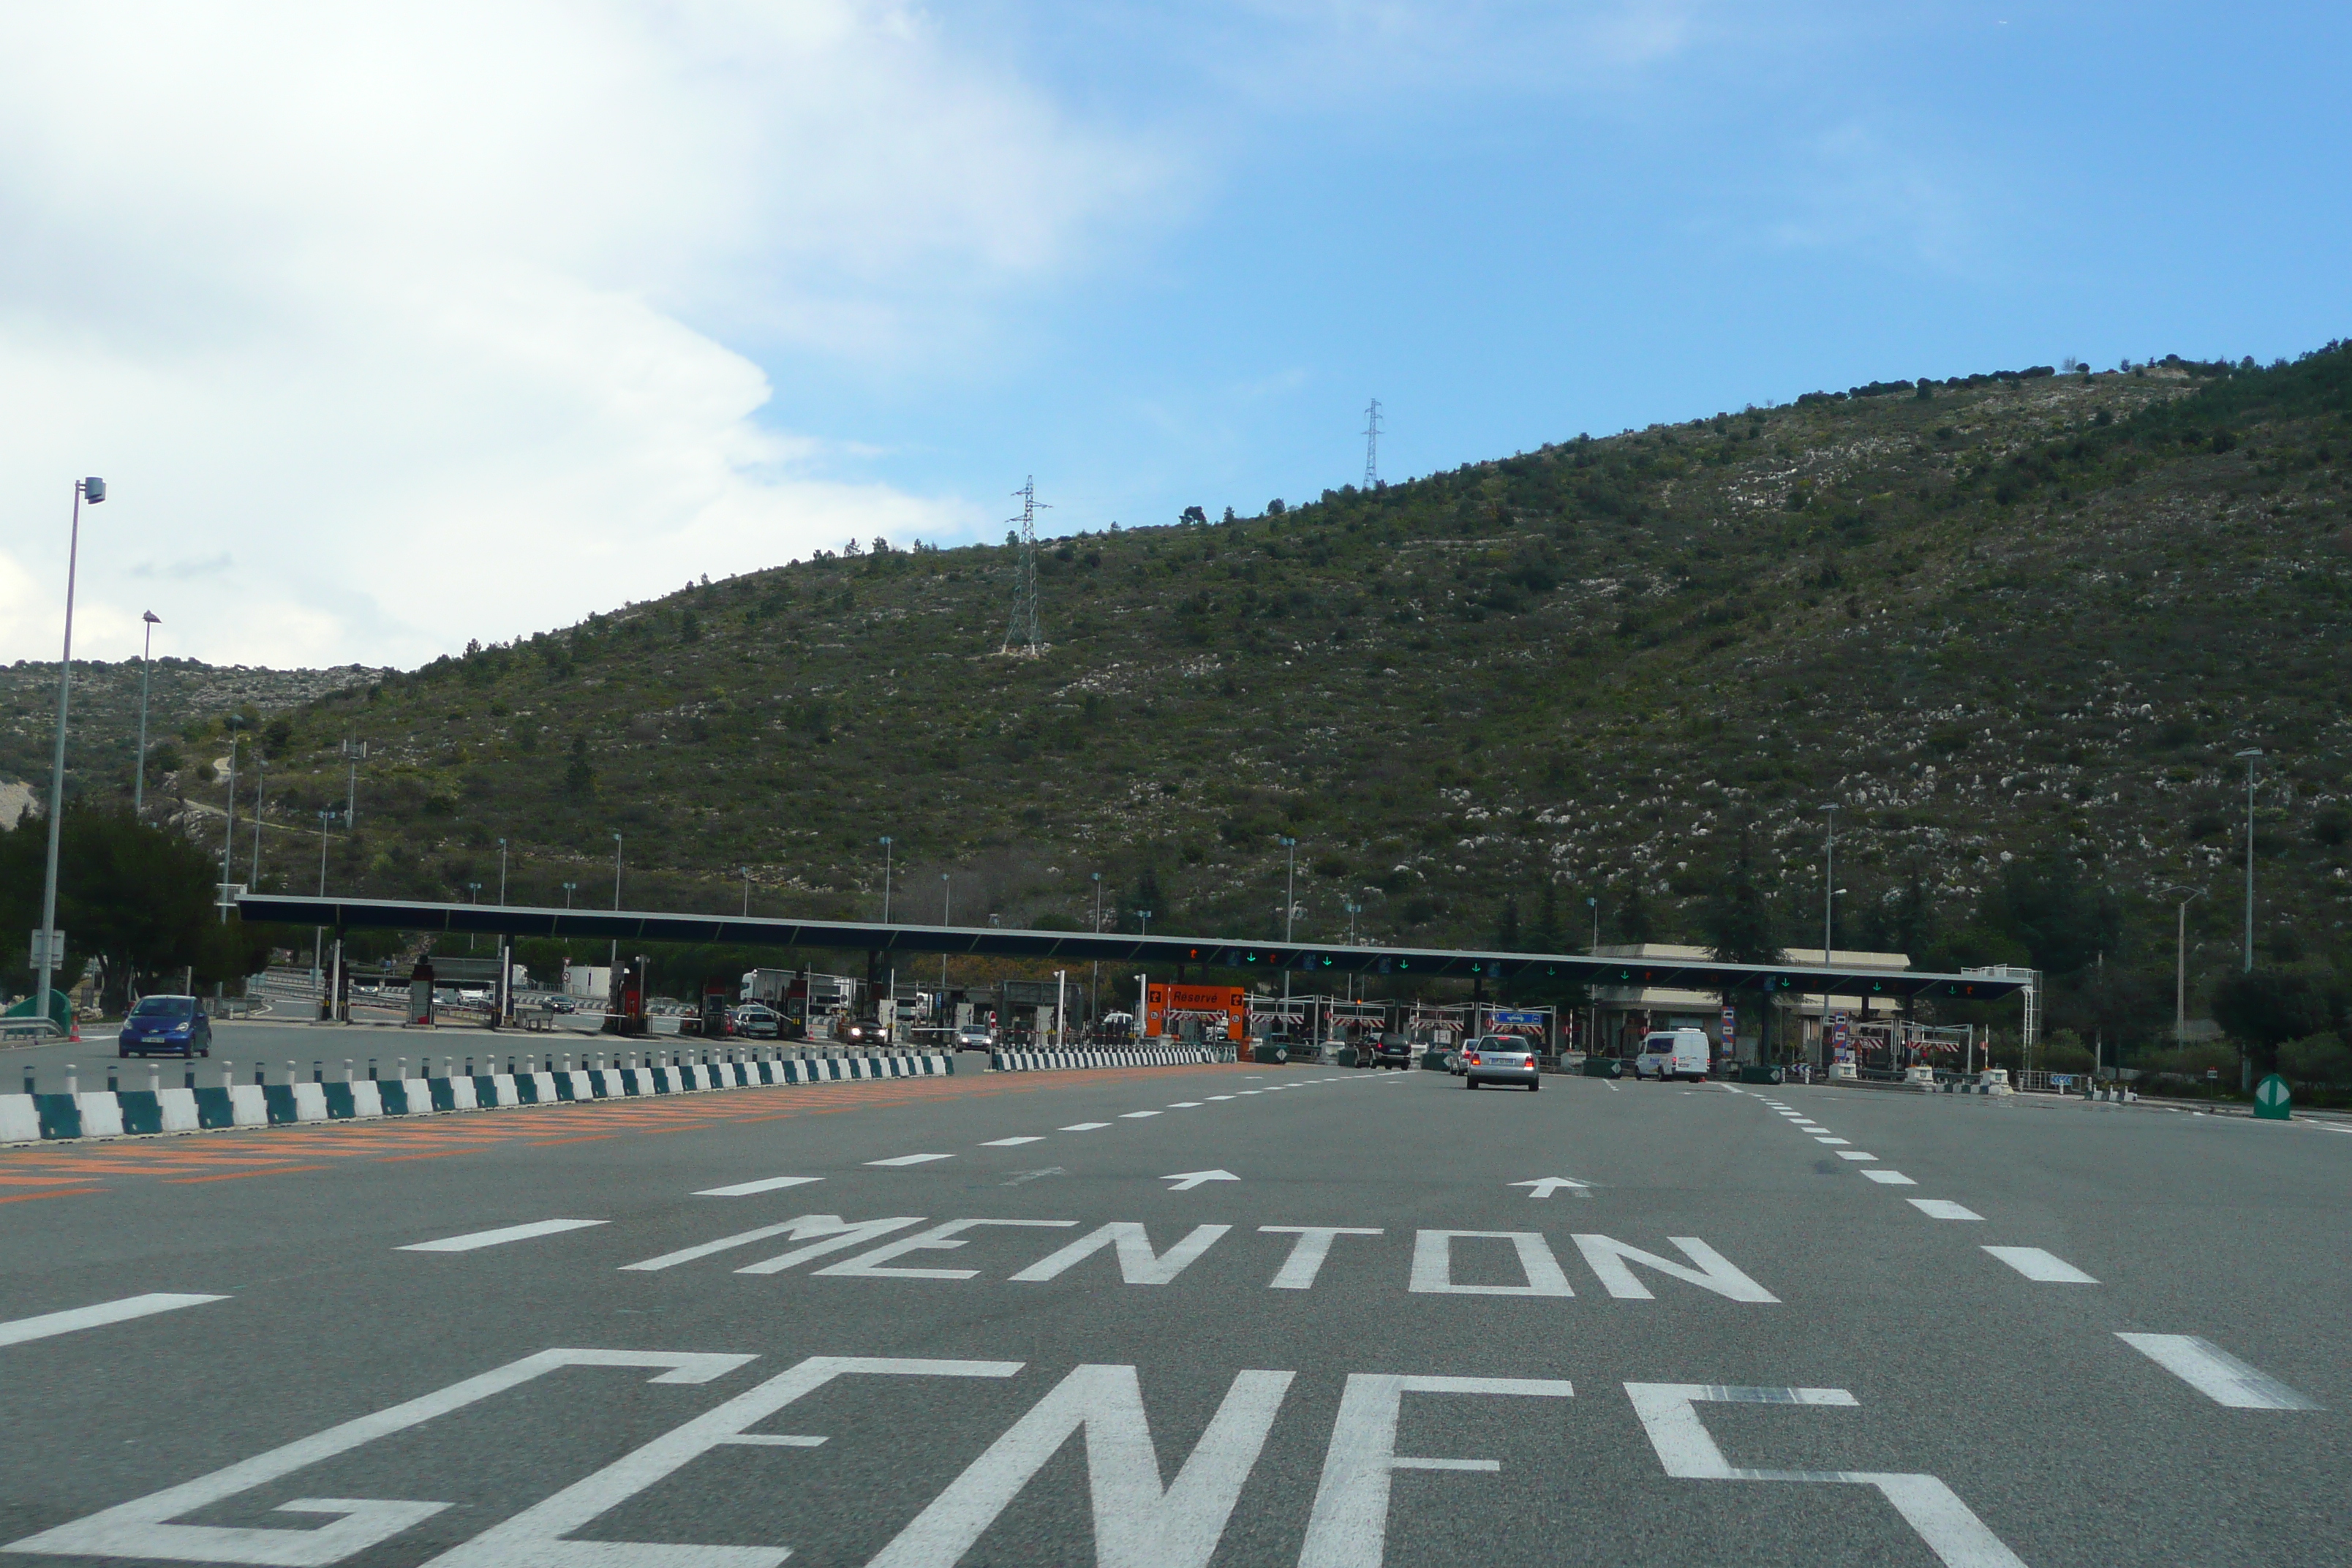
x: 2046, y: 1267
x: 745, y: 1189
x: 909, y: 1159
x: 1854, y: 1154
x: 105, y: 1312
x: 1943, y: 1208
x: 1132, y: 1115
x: 1009, y: 1143
x: 1890, y: 1178
x: 2216, y: 1373
x: 482, y: 1238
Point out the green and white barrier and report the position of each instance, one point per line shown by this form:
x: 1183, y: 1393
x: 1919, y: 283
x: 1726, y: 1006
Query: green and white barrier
x: 120, y: 1113
x: 1055, y: 1061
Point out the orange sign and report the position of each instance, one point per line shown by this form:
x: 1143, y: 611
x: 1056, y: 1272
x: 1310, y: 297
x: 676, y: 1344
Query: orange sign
x: 1222, y: 1010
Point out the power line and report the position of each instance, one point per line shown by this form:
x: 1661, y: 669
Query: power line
x: 1021, y: 627
x: 1373, y: 446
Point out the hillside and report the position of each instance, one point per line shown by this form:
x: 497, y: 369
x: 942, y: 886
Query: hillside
x: 2015, y: 627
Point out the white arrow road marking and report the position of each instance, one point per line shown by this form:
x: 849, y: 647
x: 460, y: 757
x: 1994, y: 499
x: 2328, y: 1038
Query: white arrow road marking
x: 2216, y: 1373
x: 745, y: 1189
x: 481, y: 1238
x: 99, y: 1316
x: 1546, y: 1185
x: 910, y: 1159
x: 1187, y: 1180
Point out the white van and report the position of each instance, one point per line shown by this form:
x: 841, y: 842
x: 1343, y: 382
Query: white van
x: 1670, y: 1054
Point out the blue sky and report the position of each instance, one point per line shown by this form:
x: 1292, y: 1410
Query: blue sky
x: 425, y: 323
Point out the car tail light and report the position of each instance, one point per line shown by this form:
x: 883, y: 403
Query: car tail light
x: 1474, y: 1061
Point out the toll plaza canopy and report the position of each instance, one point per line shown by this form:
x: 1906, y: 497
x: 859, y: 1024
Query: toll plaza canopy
x: 1215, y: 952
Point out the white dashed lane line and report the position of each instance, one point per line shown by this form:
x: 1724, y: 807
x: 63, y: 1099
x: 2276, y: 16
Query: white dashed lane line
x: 476, y: 1241
x: 1009, y: 1143
x: 2043, y: 1268
x: 1890, y: 1178
x: 1084, y: 1127
x: 2216, y: 1373
x: 1132, y: 1115
x: 99, y: 1316
x: 766, y: 1185
x: 1854, y: 1154
x: 1943, y: 1208
x: 910, y: 1159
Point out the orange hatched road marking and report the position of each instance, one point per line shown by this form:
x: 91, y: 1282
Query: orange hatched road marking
x: 232, y: 1153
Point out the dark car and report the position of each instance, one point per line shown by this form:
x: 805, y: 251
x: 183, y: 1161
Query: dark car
x: 175, y: 1025
x: 1392, y: 1051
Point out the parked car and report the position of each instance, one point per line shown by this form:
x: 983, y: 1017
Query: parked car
x: 174, y: 1025
x: 1501, y: 1058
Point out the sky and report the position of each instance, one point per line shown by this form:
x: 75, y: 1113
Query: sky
x: 391, y: 326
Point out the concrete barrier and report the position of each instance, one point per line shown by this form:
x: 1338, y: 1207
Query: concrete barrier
x: 120, y: 1113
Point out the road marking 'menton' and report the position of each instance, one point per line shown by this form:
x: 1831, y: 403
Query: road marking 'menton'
x: 2045, y: 1267
x: 766, y: 1185
x: 482, y: 1238
x: 2216, y: 1373
x: 910, y: 1159
x: 99, y: 1316
x: 1943, y: 1208
x: 1890, y: 1178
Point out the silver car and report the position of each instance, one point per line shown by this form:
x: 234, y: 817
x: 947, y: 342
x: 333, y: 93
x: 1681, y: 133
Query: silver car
x: 1500, y: 1058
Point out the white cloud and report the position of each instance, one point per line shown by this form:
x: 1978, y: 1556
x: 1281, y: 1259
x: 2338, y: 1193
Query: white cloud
x: 395, y: 325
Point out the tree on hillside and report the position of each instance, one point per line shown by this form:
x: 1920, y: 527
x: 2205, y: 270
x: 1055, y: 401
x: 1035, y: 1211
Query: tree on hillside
x: 136, y: 897
x: 2264, y: 1008
x: 2047, y: 905
x: 1739, y: 920
x: 1626, y: 915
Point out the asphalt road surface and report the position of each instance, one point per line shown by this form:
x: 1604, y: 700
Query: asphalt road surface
x: 1169, y: 1316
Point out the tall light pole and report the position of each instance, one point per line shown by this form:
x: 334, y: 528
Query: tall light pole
x: 1289, y: 909
x: 502, y: 873
x: 615, y: 960
x: 1353, y: 909
x: 2251, y: 757
x: 228, y: 828
x: 2181, y: 960
x: 1593, y: 903
x: 53, y: 949
x: 1094, y: 980
x: 139, y: 779
x: 1829, y: 929
x: 885, y: 879
x: 569, y: 889
x: 1145, y: 917
x: 318, y: 933
x: 260, y: 777
x: 746, y: 871
x: 946, y: 894
x: 355, y: 750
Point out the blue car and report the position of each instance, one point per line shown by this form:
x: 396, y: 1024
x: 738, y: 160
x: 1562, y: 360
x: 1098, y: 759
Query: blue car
x: 175, y: 1025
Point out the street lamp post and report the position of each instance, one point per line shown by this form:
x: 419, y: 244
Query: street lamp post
x: 139, y: 779
x: 569, y: 888
x: 2250, y: 758
x: 615, y: 960
x: 502, y: 873
x: 94, y: 492
x: 1094, y: 980
x: 886, y: 879
x: 1829, y: 927
x: 1594, y: 905
x: 319, y: 934
x: 260, y: 777
x: 228, y: 828
x: 1289, y: 909
x: 746, y: 872
x: 2181, y: 960
x: 1145, y: 917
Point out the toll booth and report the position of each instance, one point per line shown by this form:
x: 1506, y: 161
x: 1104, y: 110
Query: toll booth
x: 626, y: 1013
x: 420, y: 992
